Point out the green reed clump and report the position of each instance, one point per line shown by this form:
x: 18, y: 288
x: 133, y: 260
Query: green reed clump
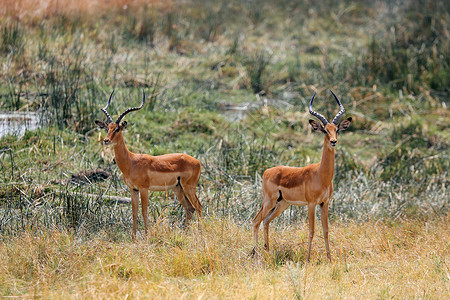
x: 141, y: 24
x: 12, y: 39
x: 413, y: 156
x: 254, y: 11
x: 155, y: 92
x: 208, y: 19
x: 412, y: 53
x: 256, y: 64
x: 62, y: 83
x: 171, y: 28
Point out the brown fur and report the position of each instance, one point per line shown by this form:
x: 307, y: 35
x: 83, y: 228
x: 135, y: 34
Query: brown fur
x: 310, y: 185
x: 288, y: 177
x: 142, y: 172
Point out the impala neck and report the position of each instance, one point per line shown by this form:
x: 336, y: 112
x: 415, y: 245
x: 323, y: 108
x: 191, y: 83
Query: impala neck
x: 122, y: 154
x: 326, y: 168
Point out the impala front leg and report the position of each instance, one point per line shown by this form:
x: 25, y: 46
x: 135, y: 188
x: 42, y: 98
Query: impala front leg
x: 324, y: 218
x: 144, y: 203
x: 134, y: 210
x: 311, y: 219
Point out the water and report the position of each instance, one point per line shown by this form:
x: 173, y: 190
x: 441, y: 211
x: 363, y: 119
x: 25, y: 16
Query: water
x: 17, y: 123
x: 238, y: 111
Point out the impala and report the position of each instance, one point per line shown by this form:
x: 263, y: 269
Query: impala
x: 142, y: 172
x: 311, y: 185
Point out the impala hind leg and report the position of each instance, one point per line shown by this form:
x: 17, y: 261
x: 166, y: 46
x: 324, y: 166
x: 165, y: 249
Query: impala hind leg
x: 188, y: 208
x: 189, y: 189
x: 134, y: 210
x: 144, y: 204
x: 191, y: 195
x: 267, y: 205
x: 279, y: 208
x: 324, y: 219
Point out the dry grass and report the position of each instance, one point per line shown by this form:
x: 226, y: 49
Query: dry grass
x: 30, y: 9
x: 408, y: 259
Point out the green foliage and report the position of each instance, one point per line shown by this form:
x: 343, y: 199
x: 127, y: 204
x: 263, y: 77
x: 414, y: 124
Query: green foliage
x: 414, y: 53
x: 256, y: 63
x: 62, y: 84
x: 141, y: 24
x: 12, y: 39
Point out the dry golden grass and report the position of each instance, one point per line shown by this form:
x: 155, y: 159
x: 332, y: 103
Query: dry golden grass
x: 406, y: 259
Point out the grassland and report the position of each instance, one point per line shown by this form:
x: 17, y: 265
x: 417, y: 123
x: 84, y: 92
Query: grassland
x: 408, y: 259
x: 229, y: 83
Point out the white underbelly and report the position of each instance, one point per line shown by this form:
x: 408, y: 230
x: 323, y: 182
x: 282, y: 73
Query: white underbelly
x: 156, y: 188
x: 296, y: 202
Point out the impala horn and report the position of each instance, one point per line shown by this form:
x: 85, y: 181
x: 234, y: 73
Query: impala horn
x: 316, y: 114
x: 109, y: 119
x: 131, y: 109
x: 341, y: 111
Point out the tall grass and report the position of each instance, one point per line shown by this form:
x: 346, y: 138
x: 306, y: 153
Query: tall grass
x: 256, y: 65
x: 12, y: 39
x: 380, y: 260
x: 401, y: 184
x: 412, y: 54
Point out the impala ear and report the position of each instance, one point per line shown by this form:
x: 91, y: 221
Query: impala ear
x: 124, y: 125
x: 345, y: 124
x: 316, y: 126
x: 101, y: 124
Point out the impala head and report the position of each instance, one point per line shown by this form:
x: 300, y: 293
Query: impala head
x: 114, y: 129
x: 329, y: 129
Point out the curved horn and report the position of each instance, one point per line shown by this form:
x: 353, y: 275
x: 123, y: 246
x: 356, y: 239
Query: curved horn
x: 316, y: 114
x: 131, y: 109
x: 341, y: 111
x: 104, y: 109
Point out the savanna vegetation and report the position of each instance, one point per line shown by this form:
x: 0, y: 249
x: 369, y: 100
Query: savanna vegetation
x: 228, y: 82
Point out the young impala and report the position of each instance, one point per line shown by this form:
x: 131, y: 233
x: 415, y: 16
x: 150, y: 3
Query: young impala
x: 310, y: 185
x: 142, y: 172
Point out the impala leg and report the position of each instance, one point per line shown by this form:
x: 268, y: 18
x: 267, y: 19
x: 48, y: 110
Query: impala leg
x: 192, y: 198
x: 134, y: 210
x: 279, y: 208
x: 256, y: 222
x: 199, y: 205
x: 324, y: 218
x: 311, y: 219
x: 188, y: 208
x: 266, y: 207
x: 144, y: 203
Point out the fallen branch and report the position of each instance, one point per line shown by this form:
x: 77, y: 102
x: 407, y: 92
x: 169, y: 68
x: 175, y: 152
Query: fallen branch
x: 119, y: 199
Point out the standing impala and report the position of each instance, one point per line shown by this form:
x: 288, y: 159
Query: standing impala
x: 142, y: 172
x: 310, y: 185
